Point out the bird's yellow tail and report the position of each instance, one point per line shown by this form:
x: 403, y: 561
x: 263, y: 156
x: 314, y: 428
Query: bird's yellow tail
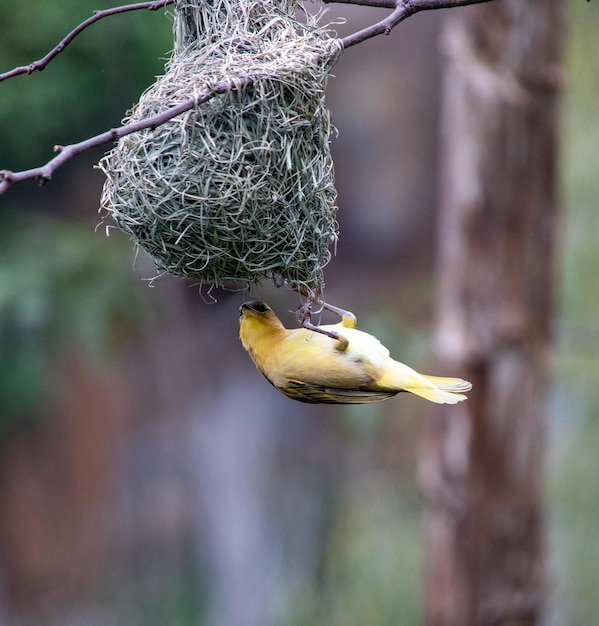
x: 438, y: 389
x: 442, y: 390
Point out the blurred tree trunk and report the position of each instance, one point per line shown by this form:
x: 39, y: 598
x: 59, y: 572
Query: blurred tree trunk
x: 484, y: 462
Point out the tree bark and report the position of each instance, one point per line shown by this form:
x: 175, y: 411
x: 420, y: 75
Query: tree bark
x: 483, y: 466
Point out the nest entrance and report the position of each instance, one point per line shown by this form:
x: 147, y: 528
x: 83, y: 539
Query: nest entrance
x: 240, y: 189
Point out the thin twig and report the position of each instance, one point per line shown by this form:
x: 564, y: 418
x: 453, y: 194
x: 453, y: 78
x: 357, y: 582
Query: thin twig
x: 383, y: 4
x: 97, y: 15
x: 402, y: 9
x: 44, y: 173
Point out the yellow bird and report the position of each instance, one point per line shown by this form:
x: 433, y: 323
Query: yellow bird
x: 337, y: 364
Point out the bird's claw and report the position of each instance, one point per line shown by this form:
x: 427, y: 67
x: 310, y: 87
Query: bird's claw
x: 304, y: 314
x: 342, y: 342
x: 348, y: 319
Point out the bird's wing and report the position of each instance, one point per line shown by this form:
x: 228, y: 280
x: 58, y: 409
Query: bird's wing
x: 317, y: 394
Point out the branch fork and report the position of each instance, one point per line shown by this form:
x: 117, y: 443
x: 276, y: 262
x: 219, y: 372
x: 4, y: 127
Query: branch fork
x: 401, y: 10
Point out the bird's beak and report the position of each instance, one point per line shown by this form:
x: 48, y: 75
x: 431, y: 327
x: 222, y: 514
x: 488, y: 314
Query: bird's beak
x: 245, y: 309
x: 256, y: 307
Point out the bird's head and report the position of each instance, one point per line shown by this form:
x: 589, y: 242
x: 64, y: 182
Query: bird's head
x: 257, y: 316
x: 257, y: 321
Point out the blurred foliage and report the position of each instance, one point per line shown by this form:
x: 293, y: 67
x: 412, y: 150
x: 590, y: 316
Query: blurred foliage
x: 172, y: 596
x: 85, y: 89
x: 572, y: 462
x: 59, y: 284
x: 580, y: 301
x: 373, y: 566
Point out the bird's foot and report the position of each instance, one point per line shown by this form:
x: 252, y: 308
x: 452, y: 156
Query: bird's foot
x: 348, y: 319
x: 304, y: 314
x: 342, y: 342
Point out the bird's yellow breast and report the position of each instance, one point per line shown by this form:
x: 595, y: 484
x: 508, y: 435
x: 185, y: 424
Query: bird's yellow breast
x: 313, y: 358
x: 299, y: 354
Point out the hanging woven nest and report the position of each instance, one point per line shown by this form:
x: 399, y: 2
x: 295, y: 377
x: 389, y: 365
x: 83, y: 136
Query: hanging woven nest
x: 240, y: 188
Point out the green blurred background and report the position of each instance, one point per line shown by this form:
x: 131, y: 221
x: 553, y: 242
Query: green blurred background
x: 148, y: 474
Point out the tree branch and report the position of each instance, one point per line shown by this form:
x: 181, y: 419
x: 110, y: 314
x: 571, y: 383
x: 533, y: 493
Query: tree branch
x: 97, y: 15
x: 65, y: 153
x: 383, y: 4
x: 402, y: 9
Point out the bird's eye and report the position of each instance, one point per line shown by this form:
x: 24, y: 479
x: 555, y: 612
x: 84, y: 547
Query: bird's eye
x: 260, y: 307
